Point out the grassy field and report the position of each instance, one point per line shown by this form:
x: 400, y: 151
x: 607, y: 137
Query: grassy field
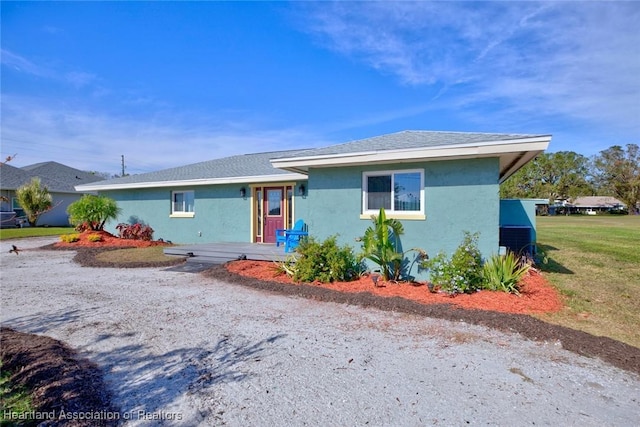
x: 131, y: 255
x: 16, y: 233
x: 595, y: 262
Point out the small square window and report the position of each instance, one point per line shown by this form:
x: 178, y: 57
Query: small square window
x: 182, y: 202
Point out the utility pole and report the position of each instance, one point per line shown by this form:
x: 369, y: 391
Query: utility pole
x: 122, y: 165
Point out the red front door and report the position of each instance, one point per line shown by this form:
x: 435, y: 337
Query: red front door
x: 273, y: 212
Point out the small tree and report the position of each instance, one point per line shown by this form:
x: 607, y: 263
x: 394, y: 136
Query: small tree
x: 34, y: 199
x: 92, y: 210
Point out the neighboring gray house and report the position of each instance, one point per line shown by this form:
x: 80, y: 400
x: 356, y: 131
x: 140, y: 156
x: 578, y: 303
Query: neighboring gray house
x: 58, y: 178
x: 593, y: 204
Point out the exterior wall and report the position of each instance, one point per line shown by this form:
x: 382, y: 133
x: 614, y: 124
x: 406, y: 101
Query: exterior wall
x: 221, y: 215
x: 58, y: 216
x: 519, y: 212
x: 460, y: 195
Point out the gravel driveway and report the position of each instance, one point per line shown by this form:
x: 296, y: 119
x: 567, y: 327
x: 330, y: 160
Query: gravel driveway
x: 180, y: 349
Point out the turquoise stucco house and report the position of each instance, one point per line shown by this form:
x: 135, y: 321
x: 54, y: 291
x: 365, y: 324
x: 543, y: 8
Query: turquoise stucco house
x: 439, y: 184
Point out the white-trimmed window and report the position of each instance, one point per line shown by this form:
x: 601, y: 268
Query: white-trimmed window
x: 399, y: 192
x: 182, y: 203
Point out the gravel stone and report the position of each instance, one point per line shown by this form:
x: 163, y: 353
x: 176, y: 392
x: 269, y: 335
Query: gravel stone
x: 179, y: 348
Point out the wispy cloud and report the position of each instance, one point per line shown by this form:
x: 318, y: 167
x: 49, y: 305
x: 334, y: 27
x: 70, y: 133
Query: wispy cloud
x: 91, y: 140
x: 577, y: 59
x: 21, y: 64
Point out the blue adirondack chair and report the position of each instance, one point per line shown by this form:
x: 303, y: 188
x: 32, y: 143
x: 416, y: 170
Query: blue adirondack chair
x: 291, y: 237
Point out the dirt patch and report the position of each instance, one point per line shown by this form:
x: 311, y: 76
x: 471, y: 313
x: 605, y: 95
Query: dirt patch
x: 87, y: 250
x: 62, y: 383
x: 614, y: 352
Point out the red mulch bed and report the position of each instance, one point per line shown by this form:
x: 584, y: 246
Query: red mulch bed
x: 536, y: 295
x: 107, y: 240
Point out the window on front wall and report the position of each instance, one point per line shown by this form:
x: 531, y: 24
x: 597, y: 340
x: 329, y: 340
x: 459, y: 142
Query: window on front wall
x: 395, y: 191
x: 182, y: 202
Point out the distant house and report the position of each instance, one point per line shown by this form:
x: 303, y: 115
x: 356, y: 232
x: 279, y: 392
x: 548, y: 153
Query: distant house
x: 58, y: 178
x: 597, y: 204
x: 439, y: 184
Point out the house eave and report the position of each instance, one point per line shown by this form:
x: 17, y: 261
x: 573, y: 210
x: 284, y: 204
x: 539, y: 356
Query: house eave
x: 523, y: 149
x: 194, y: 182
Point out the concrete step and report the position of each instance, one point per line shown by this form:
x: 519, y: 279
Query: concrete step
x: 223, y: 252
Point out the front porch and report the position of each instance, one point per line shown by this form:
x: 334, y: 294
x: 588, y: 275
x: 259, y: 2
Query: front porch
x: 219, y: 253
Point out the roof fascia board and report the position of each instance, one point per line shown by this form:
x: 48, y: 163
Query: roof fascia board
x: 428, y: 153
x: 194, y: 182
x: 513, y: 168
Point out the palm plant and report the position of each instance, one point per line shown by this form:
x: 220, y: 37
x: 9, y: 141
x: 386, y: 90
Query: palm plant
x: 95, y: 211
x: 34, y: 199
x: 381, y: 242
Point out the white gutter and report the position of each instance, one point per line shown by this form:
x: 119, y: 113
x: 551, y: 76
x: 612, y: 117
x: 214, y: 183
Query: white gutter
x: 485, y: 149
x: 194, y: 182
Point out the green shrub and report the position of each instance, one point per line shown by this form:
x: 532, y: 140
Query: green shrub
x: 325, y: 262
x: 93, y: 211
x: 460, y: 274
x: 504, y: 273
x: 70, y: 238
x: 94, y: 238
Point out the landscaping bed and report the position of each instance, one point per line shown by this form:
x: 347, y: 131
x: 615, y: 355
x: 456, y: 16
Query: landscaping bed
x: 536, y: 294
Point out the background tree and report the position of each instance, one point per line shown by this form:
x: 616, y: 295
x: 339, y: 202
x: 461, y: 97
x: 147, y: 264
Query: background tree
x: 617, y: 173
x: 93, y: 211
x: 34, y: 199
x: 551, y: 176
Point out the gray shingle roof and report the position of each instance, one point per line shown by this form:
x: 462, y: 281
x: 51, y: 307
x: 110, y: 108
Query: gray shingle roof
x: 12, y: 177
x: 409, y: 139
x: 597, y: 202
x: 229, y: 167
x: 258, y: 164
x: 57, y: 177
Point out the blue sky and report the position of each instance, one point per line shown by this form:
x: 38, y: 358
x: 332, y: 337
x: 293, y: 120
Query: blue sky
x: 171, y: 83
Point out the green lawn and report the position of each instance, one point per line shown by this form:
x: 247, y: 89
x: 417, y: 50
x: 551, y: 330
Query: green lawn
x: 14, y: 400
x: 595, y: 263
x: 16, y: 233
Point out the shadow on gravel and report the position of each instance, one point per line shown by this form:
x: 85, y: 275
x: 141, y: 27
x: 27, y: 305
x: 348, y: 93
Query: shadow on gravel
x: 155, y: 381
x: 614, y: 352
x: 40, y: 323
x: 147, y: 383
